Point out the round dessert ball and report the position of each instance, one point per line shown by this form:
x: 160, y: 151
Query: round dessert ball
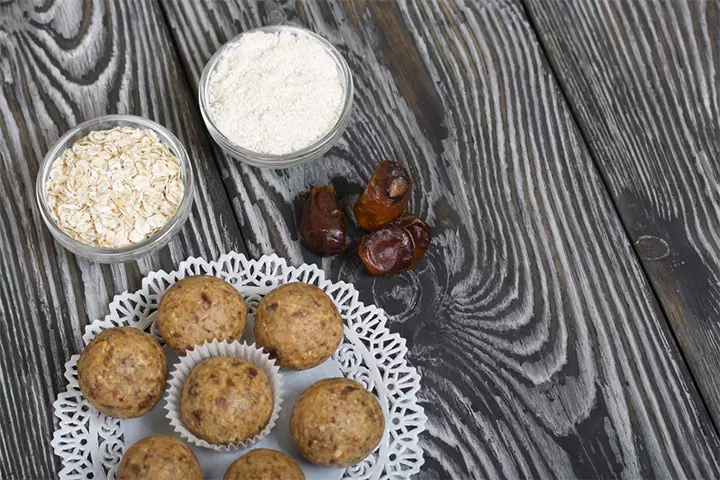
x: 122, y: 372
x: 299, y: 325
x: 264, y: 464
x: 159, y: 458
x: 226, y: 400
x: 198, y: 309
x: 336, y: 422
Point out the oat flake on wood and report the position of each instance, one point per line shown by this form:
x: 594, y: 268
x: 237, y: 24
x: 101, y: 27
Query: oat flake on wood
x: 115, y: 188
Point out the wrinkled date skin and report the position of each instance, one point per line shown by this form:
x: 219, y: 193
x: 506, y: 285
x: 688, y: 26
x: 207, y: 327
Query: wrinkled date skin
x: 420, y: 233
x: 396, y: 247
x: 322, y: 224
x: 385, y: 197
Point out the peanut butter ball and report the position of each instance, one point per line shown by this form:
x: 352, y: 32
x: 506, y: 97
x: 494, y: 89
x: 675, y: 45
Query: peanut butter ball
x: 264, y: 464
x: 198, y: 309
x: 159, y: 458
x: 336, y: 422
x: 226, y: 400
x: 122, y: 372
x: 299, y: 325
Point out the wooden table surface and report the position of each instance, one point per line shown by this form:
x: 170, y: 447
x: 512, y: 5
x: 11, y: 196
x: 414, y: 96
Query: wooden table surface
x: 565, y: 319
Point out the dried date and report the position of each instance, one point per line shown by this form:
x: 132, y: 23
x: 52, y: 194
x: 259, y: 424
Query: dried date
x: 396, y: 247
x: 385, y: 196
x: 322, y: 224
x: 420, y: 233
x: 386, y: 251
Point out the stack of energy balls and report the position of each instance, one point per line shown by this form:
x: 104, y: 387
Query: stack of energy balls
x: 123, y: 374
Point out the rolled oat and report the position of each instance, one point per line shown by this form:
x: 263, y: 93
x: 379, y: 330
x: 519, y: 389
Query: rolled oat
x: 115, y: 188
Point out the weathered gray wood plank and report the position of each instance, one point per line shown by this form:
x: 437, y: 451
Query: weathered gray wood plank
x: 542, y: 348
x: 62, y: 63
x: 642, y: 79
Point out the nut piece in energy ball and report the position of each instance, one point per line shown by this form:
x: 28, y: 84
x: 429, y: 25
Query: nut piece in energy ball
x: 396, y: 247
x: 264, y: 464
x: 226, y: 400
x: 159, y: 458
x: 122, y: 372
x: 198, y: 309
x: 322, y: 224
x: 385, y: 197
x: 299, y: 325
x: 336, y: 422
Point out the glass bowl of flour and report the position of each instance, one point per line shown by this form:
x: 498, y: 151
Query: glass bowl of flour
x: 276, y: 96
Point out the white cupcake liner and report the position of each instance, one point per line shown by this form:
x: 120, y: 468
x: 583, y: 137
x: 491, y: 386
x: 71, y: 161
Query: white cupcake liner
x: 236, y: 349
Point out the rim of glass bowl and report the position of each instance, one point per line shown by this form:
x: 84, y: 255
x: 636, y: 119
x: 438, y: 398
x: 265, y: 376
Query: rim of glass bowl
x: 136, y: 250
x: 306, y: 154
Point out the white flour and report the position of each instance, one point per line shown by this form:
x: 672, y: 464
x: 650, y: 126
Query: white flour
x: 275, y: 93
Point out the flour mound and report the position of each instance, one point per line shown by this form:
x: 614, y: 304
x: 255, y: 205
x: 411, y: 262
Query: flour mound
x: 275, y: 93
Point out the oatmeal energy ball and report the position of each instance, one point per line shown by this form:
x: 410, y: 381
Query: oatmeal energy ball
x: 198, y: 309
x: 226, y: 400
x: 299, y: 325
x: 264, y: 464
x: 159, y: 458
x: 336, y: 422
x: 122, y: 372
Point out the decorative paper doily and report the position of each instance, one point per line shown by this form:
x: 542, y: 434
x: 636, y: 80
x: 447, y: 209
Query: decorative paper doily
x: 91, y: 444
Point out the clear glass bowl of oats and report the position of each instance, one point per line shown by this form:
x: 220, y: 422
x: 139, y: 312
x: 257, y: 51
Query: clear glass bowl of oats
x: 115, y: 188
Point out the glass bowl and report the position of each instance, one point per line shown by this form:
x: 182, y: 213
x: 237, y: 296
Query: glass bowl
x: 306, y: 154
x: 137, y: 250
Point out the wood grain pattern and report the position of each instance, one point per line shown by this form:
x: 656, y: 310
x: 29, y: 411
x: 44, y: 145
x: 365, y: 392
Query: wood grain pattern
x: 642, y: 77
x: 542, y: 349
x: 62, y: 63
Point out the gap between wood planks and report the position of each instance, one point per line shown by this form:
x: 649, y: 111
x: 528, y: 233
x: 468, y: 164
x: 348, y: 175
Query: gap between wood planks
x: 605, y: 184
x: 174, y: 51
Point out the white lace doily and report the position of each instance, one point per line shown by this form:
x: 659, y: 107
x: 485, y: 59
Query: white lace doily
x: 91, y: 444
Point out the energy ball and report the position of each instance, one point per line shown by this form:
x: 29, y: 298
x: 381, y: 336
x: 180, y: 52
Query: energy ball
x: 122, y: 372
x: 299, y: 325
x: 226, y: 400
x: 336, y: 423
x: 159, y: 458
x: 264, y: 464
x: 198, y: 309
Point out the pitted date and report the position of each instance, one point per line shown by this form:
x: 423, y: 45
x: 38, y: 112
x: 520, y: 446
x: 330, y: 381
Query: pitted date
x: 396, y: 247
x: 322, y: 224
x: 385, y: 196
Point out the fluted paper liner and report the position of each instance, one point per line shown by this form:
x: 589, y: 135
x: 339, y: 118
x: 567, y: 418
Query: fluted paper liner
x: 236, y: 349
